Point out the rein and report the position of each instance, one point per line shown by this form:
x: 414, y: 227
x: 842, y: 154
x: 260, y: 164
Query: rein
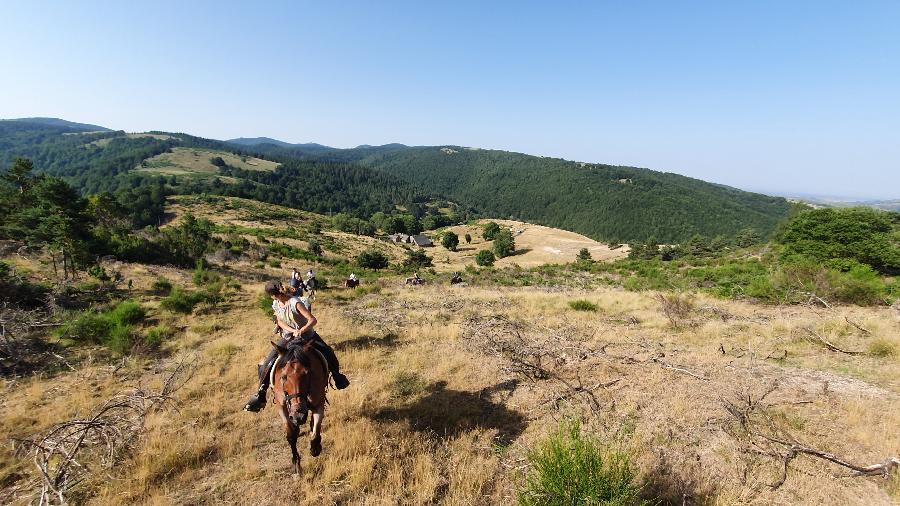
x: 300, y: 394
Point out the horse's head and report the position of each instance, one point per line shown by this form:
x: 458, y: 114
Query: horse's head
x: 296, y: 376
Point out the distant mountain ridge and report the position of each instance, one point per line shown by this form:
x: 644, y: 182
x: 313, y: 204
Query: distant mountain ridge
x: 605, y: 202
x: 57, y: 122
x: 258, y: 141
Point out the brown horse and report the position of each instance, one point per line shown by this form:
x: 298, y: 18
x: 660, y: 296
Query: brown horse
x: 351, y: 283
x: 299, y: 379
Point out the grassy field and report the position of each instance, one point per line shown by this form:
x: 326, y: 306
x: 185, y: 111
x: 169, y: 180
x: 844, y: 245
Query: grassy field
x: 453, y: 387
x: 190, y: 161
x: 535, y: 244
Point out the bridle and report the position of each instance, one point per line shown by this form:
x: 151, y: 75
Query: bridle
x: 302, y: 392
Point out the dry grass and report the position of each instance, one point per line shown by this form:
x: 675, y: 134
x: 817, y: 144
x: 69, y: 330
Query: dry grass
x: 431, y: 417
x: 184, y: 161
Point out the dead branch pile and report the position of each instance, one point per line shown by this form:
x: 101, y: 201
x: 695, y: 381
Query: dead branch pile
x: 66, y: 454
x: 537, y: 354
x: 760, y: 434
x: 15, y: 325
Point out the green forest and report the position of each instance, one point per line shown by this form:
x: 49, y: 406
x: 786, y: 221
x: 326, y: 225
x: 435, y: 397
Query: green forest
x: 609, y: 203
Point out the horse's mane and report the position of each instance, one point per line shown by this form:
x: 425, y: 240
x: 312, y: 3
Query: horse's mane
x: 295, y: 351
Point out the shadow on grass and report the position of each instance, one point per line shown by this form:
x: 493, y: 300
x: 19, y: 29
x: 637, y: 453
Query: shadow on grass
x: 666, y: 486
x: 520, y: 251
x: 449, y: 413
x: 389, y: 340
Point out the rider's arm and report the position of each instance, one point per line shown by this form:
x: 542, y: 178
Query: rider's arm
x: 310, y: 319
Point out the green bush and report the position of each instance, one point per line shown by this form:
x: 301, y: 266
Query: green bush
x: 126, y: 313
x: 504, y: 244
x: 571, y: 467
x: 113, y: 329
x: 120, y: 339
x: 157, y: 335
x: 89, y: 327
x: 372, y: 259
x: 264, y: 303
x: 861, y: 234
x: 582, y: 305
x: 490, y: 230
x: 181, y: 301
x: 162, y: 286
x: 416, y: 259
x: 484, y: 258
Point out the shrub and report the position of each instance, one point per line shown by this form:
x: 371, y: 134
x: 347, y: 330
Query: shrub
x: 468, y: 238
x: 314, y: 248
x: 882, y: 348
x: 97, y: 271
x: 582, y: 305
x: 490, y: 230
x: 583, y: 255
x: 203, y: 276
x: 88, y: 327
x: 120, y: 339
x: 504, y: 244
x: 264, y: 303
x: 450, y: 240
x: 181, y: 301
x: 571, y: 467
x: 157, y: 335
x: 372, y: 259
x: 860, y: 234
x: 162, y: 286
x: 484, y: 258
x: 275, y: 263
x: 113, y: 329
x: 416, y: 259
x: 126, y: 313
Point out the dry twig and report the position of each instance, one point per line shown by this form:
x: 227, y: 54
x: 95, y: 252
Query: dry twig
x: 65, y: 454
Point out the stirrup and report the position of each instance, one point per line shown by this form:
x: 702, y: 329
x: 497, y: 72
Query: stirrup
x: 257, y: 403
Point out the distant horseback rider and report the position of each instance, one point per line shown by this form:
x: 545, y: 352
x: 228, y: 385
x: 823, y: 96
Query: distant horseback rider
x: 310, y: 281
x: 296, y: 283
x: 457, y: 278
x: 295, y: 323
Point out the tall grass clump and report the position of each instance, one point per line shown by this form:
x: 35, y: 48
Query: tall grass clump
x: 113, y: 328
x: 582, y: 305
x: 181, y: 301
x: 571, y: 467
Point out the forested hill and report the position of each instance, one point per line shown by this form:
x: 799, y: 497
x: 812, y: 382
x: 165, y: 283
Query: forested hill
x: 610, y: 203
x: 131, y: 164
x: 606, y: 202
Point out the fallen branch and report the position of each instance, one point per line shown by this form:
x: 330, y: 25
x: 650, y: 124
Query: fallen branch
x: 65, y: 454
x: 858, y: 326
x: 666, y: 365
x: 829, y: 345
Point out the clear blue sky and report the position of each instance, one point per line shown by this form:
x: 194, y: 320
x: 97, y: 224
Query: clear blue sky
x: 770, y: 96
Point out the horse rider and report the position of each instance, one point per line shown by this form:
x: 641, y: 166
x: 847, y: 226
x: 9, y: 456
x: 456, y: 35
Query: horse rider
x: 310, y: 281
x: 296, y: 283
x: 295, y: 321
x: 353, y: 277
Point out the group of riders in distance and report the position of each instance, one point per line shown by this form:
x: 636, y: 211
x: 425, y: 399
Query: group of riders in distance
x: 300, y: 363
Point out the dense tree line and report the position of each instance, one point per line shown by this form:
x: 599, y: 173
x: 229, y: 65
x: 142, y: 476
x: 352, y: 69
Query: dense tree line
x: 611, y: 203
x: 604, y: 202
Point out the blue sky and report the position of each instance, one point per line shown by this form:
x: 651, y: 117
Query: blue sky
x: 767, y: 96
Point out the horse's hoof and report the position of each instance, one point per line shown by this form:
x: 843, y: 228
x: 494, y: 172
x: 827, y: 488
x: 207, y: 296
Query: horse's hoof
x: 315, y: 446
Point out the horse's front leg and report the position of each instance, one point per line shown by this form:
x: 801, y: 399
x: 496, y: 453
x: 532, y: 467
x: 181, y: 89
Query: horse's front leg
x: 315, y: 431
x: 292, y: 431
